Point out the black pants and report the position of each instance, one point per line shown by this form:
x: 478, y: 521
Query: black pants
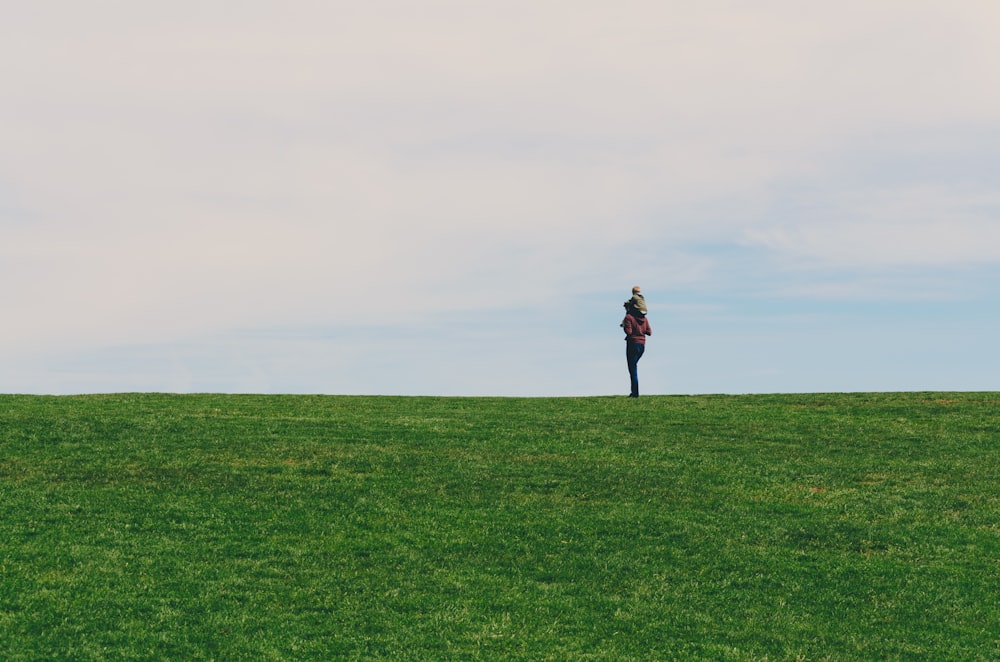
x: 633, y: 352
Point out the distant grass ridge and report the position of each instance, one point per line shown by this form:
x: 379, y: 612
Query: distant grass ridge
x: 820, y: 526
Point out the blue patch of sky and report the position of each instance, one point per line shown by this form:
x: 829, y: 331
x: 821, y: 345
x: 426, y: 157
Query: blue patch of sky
x: 753, y: 326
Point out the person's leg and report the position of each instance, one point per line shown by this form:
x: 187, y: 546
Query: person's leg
x: 633, y: 352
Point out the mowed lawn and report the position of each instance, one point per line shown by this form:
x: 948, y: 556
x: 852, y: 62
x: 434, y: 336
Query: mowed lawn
x: 231, y: 527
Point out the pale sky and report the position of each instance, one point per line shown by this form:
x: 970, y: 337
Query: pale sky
x: 454, y: 197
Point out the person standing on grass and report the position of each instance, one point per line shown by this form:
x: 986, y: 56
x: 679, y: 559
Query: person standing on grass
x: 636, y: 328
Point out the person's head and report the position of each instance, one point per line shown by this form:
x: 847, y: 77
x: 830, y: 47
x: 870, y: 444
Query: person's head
x: 636, y: 290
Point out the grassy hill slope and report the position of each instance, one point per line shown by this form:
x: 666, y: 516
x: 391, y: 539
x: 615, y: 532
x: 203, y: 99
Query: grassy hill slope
x: 840, y: 526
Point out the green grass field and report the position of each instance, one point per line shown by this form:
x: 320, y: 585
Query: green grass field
x: 812, y: 527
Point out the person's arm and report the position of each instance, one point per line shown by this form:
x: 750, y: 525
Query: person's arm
x: 649, y: 328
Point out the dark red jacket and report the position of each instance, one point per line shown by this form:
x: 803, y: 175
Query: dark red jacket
x: 637, y: 328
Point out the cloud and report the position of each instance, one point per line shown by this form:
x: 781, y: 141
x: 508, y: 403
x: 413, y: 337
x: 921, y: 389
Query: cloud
x: 893, y: 228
